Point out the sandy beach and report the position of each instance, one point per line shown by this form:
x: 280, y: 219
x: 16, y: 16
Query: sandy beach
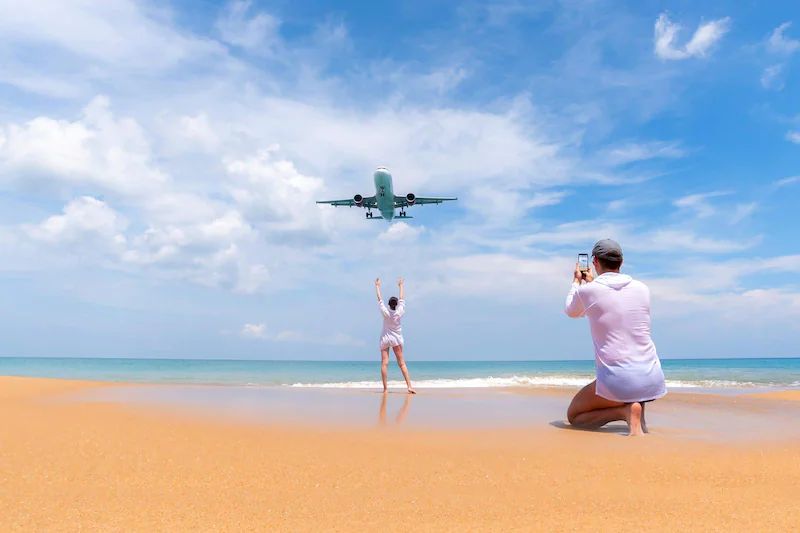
x: 69, y: 465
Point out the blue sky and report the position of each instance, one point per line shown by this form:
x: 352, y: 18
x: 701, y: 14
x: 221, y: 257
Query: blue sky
x: 159, y: 165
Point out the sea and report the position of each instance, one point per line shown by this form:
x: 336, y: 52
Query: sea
x: 698, y: 374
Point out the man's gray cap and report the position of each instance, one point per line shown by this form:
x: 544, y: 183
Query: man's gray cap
x: 607, y: 249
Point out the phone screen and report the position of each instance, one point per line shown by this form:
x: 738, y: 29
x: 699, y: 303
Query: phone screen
x: 583, y: 261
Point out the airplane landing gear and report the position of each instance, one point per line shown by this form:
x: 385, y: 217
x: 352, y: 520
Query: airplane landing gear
x: 369, y: 214
x: 402, y: 214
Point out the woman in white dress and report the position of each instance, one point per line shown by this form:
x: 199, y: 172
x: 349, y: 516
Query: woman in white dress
x: 392, y: 334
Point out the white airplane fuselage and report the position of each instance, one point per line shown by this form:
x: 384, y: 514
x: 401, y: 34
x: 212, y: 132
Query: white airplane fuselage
x: 384, y: 193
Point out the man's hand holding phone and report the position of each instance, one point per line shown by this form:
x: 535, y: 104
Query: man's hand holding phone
x: 583, y: 273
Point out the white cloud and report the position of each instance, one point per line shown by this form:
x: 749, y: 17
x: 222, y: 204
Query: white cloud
x: 276, y: 196
x: 260, y: 331
x: 704, y: 38
x: 503, y: 277
x: 258, y: 33
x: 670, y: 240
x: 717, y: 288
x: 118, y: 33
x: 791, y: 180
x: 699, y: 203
x: 84, y: 220
x: 401, y: 232
x: 743, y: 211
x: 97, y: 150
x: 793, y: 136
x: 772, y: 77
x: 633, y: 152
x: 779, y: 43
x: 254, y: 331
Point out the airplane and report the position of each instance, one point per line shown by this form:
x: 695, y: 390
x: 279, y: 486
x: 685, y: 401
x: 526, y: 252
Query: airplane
x: 384, y: 200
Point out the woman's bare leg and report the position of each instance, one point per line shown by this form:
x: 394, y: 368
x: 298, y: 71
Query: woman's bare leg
x: 398, y: 353
x: 384, y: 367
x: 590, y: 411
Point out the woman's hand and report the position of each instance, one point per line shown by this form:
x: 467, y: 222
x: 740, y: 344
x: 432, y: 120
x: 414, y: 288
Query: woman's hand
x: 399, y: 282
x: 378, y: 282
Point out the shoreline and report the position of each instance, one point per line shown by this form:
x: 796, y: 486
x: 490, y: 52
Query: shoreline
x: 688, y: 415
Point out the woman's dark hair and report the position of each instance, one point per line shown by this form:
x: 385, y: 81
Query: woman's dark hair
x: 392, y: 303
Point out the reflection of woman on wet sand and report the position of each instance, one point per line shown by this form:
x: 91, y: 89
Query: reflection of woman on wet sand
x: 401, y: 414
x: 392, y: 334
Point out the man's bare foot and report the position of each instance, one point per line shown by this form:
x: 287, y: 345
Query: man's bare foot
x: 386, y: 391
x: 411, y: 391
x: 635, y: 419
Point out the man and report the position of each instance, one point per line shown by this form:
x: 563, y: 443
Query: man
x: 626, y: 363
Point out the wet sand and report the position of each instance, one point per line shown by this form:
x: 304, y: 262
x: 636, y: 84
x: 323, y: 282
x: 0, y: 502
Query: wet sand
x: 73, y: 458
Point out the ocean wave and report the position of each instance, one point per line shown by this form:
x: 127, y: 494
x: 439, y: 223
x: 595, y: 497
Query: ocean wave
x: 555, y: 381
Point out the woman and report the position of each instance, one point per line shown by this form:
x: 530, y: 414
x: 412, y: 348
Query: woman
x: 392, y: 335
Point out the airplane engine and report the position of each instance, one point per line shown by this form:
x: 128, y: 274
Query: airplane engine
x: 358, y: 199
x: 411, y: 198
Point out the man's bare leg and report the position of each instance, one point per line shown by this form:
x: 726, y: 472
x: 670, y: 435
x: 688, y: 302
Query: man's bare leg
x: 590, y: 411
x: 384, y: 367
x: 398, y: 353
x: 644, y: 424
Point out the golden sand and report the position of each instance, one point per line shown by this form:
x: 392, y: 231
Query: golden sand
x: 788, y: 395
x: 71, y: 466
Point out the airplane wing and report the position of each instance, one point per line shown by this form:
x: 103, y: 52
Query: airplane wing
x: 402, y: 201
x: 368, y: 201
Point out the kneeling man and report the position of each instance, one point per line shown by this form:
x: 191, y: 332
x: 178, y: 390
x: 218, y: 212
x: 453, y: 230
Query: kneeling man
x: 626, y: 363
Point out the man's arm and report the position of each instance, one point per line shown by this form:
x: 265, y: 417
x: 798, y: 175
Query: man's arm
x: 574, y: 307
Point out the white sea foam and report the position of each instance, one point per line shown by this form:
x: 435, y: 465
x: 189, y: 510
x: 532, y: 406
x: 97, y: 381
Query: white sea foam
x: 515, y: 381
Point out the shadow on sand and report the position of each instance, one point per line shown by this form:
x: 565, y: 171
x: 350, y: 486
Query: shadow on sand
x: 611, y: 428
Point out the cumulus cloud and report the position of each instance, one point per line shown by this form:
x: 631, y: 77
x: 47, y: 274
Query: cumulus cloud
x: 703, y: 40
x: 793, y: 136
x: 85, y: 219
x: 98, y: 150
x: 401, y: 232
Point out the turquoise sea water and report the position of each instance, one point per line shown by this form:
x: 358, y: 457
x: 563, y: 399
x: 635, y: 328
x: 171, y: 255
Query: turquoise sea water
x: 680, y: 373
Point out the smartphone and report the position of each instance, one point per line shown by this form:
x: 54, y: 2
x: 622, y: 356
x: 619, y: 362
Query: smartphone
x: 583, y: 262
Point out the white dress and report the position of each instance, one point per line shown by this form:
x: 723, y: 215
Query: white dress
x: 392, y: 334
x: 627, y: 365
